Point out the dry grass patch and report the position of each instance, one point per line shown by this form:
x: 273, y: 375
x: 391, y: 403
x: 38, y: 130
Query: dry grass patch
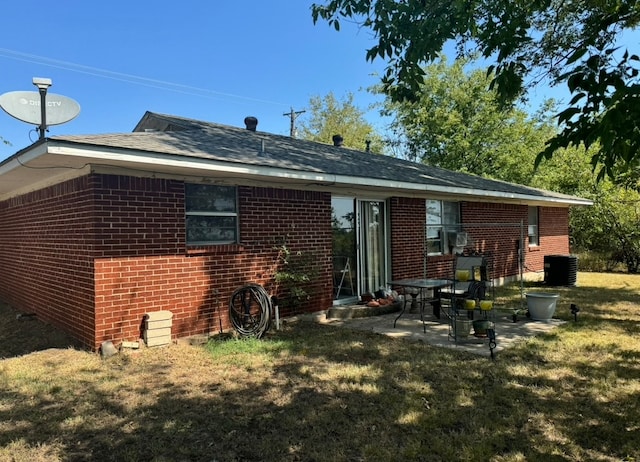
x: 317, y: 392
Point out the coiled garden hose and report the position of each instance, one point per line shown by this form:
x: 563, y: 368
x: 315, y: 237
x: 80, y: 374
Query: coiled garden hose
x: 250, y: 310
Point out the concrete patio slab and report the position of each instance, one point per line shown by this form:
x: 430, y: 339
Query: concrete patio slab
x: 410, y: 327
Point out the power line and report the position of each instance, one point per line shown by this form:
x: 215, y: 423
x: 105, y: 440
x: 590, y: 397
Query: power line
x: 124, y: 77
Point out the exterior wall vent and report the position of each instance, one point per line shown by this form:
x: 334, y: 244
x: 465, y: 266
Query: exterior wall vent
x: 157, y: 328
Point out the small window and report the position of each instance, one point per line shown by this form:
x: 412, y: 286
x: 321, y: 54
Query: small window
x: 443, y: 218
x: 532, y: 229
x: 211, y: 214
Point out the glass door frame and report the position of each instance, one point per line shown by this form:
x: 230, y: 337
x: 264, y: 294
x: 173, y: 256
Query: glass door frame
x: 358, y: 264
x: 346, y: 262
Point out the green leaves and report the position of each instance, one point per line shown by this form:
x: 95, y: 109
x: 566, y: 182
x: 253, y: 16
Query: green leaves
x: 457, y: 124
x: 577, y: 54
x: 569, y: 43
x: 605, y: 110
x: 327, y: 116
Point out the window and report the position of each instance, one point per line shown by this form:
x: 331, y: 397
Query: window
x: 442, y: 218
x: 211, y: 214
x: 532, y: 229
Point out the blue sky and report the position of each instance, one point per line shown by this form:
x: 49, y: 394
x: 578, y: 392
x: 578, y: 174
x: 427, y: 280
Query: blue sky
x: 212, y: 60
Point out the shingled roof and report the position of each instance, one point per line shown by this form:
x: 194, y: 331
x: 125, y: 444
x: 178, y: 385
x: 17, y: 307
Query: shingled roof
x: 178, y: 139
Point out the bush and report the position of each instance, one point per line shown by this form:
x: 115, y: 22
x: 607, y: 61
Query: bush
x: 599, y: 262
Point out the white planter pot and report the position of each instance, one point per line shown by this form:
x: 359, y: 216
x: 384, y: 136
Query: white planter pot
x: 542, y: 306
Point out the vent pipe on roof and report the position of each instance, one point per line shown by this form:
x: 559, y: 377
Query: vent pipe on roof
x: 368, y: 144
x: 337, y: 140
x: 262, y: 152
x: 251, y: 123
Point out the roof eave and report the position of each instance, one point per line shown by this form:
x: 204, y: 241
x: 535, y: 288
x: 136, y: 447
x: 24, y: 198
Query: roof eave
x: 322, y: 180
x: 78, y: 155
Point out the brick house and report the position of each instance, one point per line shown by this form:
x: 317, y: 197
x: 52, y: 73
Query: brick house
x: 97, y: 231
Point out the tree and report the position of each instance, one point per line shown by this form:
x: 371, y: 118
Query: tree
x: 526, y: 42
x: 328, y: 117
x: 610, y: 226
x: 456, y: 123
x: 608, y: 229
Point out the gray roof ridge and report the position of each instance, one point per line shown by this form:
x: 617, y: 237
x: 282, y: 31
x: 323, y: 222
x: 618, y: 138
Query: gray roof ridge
x: 201, y: 124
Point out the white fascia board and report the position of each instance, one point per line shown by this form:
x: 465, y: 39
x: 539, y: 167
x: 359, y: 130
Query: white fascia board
x: 476, y: 194
x: 164, y: 163
x: 160, y: 162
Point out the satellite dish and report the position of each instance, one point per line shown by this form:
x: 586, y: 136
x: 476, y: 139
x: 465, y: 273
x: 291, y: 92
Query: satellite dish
x: 25, y: 106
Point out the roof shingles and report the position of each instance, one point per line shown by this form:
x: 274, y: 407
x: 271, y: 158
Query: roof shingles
x: 202, y: 140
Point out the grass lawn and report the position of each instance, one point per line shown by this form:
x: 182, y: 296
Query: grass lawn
x: 313, y: 392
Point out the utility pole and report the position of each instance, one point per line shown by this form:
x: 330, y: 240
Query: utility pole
x: 293, y: 116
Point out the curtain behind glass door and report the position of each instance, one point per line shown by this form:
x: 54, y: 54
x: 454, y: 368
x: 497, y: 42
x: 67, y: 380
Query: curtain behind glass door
x: 373, y: 237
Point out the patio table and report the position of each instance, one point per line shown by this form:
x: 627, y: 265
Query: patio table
x: 436, y: 285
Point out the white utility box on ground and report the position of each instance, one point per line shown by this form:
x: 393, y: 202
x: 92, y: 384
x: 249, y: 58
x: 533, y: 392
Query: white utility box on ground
x: 157, y: 328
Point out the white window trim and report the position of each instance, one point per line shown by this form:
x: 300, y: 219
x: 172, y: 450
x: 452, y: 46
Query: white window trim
x: 442, y: 226
x: 533, y: 229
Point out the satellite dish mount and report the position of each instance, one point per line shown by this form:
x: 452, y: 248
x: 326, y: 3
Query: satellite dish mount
x: 43, y: 85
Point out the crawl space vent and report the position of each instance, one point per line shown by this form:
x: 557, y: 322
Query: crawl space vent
x: 157, y: 328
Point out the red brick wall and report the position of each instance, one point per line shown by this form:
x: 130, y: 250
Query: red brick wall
x: 554, y: 237
x: 494, y: 230
x: 137, y: 216
x: 94, y: 254
x: 196, y: 284
x: 46, y: 264
x: 407, y: 237
x: 301, y: 220
x: 139, y: 229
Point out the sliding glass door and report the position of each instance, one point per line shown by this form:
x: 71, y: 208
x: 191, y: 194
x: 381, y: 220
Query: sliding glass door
x: 359, y: 247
